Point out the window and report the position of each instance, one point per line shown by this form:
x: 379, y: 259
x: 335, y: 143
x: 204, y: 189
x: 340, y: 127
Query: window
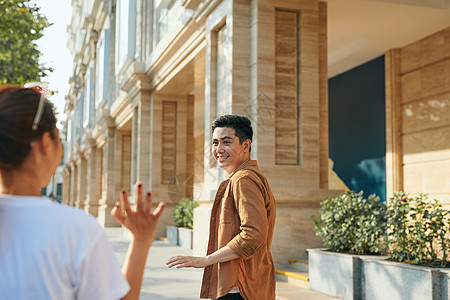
x: 59, y: 190
x: 79, y: 120
x: 125, y: 32
x: 102, y: 76
x: 70, y: 131
x: 223, y: 88
x: 88, y: 88
x: 170, y: 16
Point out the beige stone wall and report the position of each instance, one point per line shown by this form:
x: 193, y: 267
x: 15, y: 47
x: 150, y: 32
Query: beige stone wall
x: 418, y: 117
x: 266, y: 59
x: 279, y: 81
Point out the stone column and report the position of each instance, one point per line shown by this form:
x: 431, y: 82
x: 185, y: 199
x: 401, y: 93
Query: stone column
x: 141, y: 141
x: 81, y: 182
x: 66, y: 185
x: 108, y: 193
x: 218, y: 100
x: 73, y: 183
x: 91, y: 204
x: 168, y: 152
x: 99, y: 177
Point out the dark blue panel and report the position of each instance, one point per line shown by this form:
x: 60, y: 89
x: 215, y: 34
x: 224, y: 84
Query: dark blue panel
x: 357, y: 130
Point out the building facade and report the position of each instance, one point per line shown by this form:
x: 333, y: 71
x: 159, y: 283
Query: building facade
x: 151, y: 75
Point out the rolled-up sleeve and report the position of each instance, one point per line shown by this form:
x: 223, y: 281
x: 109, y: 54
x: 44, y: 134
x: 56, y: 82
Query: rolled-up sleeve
x: 250, y: 205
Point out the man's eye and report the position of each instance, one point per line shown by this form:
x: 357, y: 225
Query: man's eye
x: 226, y: 142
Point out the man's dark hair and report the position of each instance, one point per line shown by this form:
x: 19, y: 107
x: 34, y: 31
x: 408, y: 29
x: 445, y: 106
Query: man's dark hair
x: 241, y: 125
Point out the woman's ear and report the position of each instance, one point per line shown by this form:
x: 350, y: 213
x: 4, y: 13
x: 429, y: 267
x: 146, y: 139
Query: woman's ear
x: 44, y: 143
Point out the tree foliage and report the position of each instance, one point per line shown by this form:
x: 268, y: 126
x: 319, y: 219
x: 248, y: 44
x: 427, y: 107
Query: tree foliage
x: 21, y: 25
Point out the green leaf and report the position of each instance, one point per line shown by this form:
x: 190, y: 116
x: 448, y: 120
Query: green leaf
x: 21, y: 25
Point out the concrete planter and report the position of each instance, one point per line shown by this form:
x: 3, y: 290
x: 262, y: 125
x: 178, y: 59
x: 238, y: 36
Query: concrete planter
x: 172, y: 235
x: 391, y: 280
x: 368, y: 277
x: 185, y: 237
x: 445, y: 284
x: 337, y: 274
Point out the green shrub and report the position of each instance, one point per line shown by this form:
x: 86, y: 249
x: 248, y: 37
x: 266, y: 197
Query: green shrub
x: 183, y: 213
x: 353, y: 224
x: 418, y: 230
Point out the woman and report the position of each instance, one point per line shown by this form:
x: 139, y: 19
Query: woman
x: 52, y: 251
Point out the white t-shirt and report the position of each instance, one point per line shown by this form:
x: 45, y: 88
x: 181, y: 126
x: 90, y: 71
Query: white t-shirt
x: 53, y: 251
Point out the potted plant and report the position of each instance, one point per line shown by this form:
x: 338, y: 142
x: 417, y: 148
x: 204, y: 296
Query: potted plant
x: 183, y: 216
x: 419, y: 245
x: 350, y: 226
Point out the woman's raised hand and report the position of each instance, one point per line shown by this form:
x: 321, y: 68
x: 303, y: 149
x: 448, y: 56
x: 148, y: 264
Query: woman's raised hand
x: 143, y: 222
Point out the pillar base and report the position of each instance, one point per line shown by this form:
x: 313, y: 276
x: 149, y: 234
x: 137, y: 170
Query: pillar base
x: 92, y: 209
x: 104, y: 216
x: 202, y: 215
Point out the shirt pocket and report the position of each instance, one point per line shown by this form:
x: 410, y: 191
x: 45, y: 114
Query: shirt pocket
x: 226, y: 210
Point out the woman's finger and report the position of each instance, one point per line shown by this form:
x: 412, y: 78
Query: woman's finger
x: 139, y: 201
x: 159, y: 209
x: 126, y: 204
x: 148, y: 202
x: 117, y: 214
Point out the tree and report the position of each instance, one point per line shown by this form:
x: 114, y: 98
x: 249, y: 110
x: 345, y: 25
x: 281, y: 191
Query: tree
x: 21, y: 25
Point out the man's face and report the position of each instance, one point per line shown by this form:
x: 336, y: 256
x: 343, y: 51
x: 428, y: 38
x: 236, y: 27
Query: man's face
x: 227, y: 150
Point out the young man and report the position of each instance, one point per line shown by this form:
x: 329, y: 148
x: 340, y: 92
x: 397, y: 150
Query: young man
x: 238, y: 264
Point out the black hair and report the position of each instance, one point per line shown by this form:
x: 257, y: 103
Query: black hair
x: 18, y: 107
x: 241, y: 125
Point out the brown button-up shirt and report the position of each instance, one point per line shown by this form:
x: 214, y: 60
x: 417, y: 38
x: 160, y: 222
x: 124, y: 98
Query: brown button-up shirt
x: 242, y: 217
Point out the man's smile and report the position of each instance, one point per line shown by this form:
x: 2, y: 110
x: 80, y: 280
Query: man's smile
x: 222, y: 156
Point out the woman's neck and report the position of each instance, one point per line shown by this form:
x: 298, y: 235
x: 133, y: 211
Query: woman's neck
x: 18, y: 182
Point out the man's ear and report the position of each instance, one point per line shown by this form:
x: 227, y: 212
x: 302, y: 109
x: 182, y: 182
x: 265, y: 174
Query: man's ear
x: 247, y: 144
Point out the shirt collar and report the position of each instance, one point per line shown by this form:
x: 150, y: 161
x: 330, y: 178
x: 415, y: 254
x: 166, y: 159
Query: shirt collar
x: 244, y: 165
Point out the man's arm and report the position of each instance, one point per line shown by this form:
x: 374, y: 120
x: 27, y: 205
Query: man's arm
x: 252, y: 235
x: 249, y: 202
x: 222, y: 255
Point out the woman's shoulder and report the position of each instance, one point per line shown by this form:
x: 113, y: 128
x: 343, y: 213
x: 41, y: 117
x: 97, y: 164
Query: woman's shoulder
x: 74, y: 215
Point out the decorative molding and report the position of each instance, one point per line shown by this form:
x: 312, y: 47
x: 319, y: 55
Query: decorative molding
x: 286, y: 87
x: 169, y: 137
x: 93, y: 37
x: 205, y: 10
x: 138, y: 81
x: 191, y: 4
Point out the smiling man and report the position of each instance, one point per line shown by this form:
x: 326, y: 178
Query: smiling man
x: 238, y: 264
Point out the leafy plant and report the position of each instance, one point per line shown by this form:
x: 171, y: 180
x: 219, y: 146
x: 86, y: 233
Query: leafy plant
x: 183, y: 213
x: 353, y: 224
x: 418, y: 230
x: 21, y: 26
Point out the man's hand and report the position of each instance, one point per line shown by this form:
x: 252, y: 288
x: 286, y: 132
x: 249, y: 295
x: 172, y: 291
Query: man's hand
x: 142, y: 223
x: 187, y: 262
x: 221, y: 255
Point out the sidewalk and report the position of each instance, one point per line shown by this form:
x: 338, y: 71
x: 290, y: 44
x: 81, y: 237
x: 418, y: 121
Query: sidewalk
x: 161, y: 283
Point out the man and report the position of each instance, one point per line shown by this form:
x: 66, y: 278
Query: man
x: 238, y: 264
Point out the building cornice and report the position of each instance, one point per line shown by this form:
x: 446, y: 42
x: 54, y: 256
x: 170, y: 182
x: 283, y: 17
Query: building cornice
x: 136, y: 83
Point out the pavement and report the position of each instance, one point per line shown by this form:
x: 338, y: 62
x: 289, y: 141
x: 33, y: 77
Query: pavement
x: 161, y: 283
